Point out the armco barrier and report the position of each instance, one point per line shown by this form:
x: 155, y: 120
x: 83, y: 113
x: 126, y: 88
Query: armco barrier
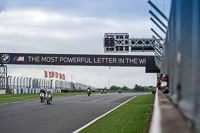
x: 2, y: 91
x: 25, y: 91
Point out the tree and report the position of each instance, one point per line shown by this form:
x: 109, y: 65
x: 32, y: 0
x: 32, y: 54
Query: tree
x: 137, y: 87
x: 125, y: 88
x: 115, y: 88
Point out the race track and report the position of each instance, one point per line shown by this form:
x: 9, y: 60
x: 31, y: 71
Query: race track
x: 64, y: 115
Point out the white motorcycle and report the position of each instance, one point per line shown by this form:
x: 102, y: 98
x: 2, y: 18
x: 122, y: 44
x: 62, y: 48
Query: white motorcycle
x: 42, y: 98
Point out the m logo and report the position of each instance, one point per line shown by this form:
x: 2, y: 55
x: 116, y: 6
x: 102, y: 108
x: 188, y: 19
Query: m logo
x: 18, y: 58
x: 5, y: 58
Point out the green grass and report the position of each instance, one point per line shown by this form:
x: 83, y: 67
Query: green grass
x: 132, y: 117
x: 9, y: 98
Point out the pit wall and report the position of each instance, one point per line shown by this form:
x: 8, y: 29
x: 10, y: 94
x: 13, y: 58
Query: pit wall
x: 181, y: 59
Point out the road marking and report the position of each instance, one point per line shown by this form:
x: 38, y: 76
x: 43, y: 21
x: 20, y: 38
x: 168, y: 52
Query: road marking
x: 78, y: 130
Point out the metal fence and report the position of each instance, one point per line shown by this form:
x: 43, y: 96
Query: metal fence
x: 27, y: 83
x: 11, y: 82
x: 181, y: 60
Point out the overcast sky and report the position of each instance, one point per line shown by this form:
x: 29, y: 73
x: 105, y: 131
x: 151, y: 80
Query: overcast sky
x: 76, y: 27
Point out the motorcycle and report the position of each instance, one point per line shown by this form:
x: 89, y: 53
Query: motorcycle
x: 42, y: 97
x: 101, y: 91
x: 48, y: 98
x: 89, y: 92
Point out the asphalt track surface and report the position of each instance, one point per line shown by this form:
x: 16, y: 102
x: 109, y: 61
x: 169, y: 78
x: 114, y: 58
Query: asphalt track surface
x: 64, y: 115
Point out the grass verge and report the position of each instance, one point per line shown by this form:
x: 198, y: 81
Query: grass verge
x: 9, y: 98
x: 132, y: 117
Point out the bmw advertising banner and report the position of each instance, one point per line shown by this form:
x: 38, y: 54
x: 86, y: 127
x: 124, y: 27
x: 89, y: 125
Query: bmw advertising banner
x: 74, y: 59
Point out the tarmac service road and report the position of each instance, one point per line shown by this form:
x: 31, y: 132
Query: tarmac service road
x: 64, y: 115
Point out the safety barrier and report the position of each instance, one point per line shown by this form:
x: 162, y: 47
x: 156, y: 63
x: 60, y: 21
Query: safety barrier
x: 2, y: 91
x: 25, y: 91
x: 181, y: 59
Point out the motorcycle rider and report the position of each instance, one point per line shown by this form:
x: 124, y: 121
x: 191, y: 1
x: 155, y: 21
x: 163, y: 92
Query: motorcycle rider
x: 89, y: 90
x: 42, y: 91
x: 49, y: 92
x: 105, y: 91
x: 102, y: 91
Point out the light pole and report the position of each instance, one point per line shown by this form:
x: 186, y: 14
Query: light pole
x: 30, y: 83
x: 14, y: 82
x: 8, y: 82
x: 71, y: 78
x: 109, y: 79
x: 21, y: 84
x: 17, y: 82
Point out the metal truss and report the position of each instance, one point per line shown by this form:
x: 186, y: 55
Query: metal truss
x: 142, y: 44
x: 3, y: 77
x: 159, y: 48
x: 120, y: 43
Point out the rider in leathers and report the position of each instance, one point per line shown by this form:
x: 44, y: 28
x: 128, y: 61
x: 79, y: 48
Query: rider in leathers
x: 49, y: 92
x: 42, y: 90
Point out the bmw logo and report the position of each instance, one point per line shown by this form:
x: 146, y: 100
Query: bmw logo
x: 5, y: 58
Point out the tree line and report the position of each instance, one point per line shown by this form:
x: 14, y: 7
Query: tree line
x: 137, y: 88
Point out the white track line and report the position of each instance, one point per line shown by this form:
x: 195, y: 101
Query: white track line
x: 78, y: 130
